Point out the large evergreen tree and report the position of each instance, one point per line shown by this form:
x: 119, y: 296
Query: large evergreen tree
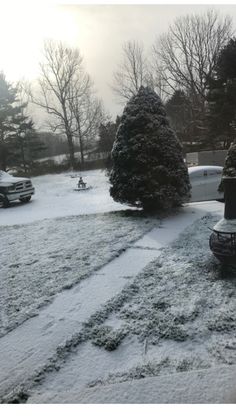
x: 178, y: 109
x: 222, y: 98
x: 107, y: 135
x: 26, y: 146
x: 16, y: 129
x: 107, y: 132
x: 148, y: 167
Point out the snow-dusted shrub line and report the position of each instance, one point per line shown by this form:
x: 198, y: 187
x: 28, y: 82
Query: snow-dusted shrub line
x: 152, y: 369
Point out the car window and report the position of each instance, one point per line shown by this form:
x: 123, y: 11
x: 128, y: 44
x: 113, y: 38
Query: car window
x: 214, y: 173
x: 196, y: 175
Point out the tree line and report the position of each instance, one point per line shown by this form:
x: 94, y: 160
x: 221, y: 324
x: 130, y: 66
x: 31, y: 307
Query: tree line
x: 192, y: 67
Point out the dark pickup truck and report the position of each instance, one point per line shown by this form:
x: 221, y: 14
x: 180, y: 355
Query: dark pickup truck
x: 14, y: 188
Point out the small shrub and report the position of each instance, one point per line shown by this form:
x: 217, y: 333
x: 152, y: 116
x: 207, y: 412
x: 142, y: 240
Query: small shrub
x: 107, y: 338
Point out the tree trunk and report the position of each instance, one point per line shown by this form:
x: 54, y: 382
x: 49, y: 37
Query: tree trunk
x: 23, y: 156
x: 71, y: 150
x: 80, y: 142
x: 3, y: 158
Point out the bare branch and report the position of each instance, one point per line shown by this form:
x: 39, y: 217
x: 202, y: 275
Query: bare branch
x: 61, y: 71
x: 132, y: 73
x: 189, y: 50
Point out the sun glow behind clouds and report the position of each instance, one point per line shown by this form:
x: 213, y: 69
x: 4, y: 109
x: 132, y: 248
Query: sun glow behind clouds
x: 23, y: 29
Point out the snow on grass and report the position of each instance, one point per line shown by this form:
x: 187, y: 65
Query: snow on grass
x: 55, y: 197
x: 40, y: 259
x: 182, y: 307
x: 178, y: 314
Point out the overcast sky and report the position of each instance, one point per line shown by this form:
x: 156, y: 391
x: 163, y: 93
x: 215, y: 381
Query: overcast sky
x: 97, y: 30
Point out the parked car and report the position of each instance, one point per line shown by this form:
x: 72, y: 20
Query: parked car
x: 205, y: 181
x: 14, y: 188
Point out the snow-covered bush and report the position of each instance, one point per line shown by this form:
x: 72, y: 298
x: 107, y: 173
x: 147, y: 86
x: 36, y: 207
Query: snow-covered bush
x: 230, y: 165
x: 230, y: 162
x: 106, y: 337
x: 148, y: 167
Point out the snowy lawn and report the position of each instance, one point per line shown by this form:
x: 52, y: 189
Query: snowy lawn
x: 178, y: 314
x: 55, y: 197
x: 181, y: 309
x: 43, y: 253
x: 40, y: 259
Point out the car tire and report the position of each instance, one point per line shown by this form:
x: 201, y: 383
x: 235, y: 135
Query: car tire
x: 4, y: 203
x: 24, y: 200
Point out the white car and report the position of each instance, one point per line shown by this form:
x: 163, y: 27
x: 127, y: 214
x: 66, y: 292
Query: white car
x: 205, y: 181
x: 14, y: 188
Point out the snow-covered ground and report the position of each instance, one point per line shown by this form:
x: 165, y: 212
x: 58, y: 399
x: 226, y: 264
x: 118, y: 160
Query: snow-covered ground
x: 55, y: 197
x: 160, y: 306
x: 40, y: 259
x: 177, y: 315
x: 211, y: 386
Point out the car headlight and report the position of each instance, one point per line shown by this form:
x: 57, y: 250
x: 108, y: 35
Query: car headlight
x: 11, y: 188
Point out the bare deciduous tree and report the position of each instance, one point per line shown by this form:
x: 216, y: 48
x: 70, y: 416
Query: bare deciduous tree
x: 132, y: 72
x: 65, y: 88
x: 87, y: 112
x: 186, y: 56
x: 60, y: 67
